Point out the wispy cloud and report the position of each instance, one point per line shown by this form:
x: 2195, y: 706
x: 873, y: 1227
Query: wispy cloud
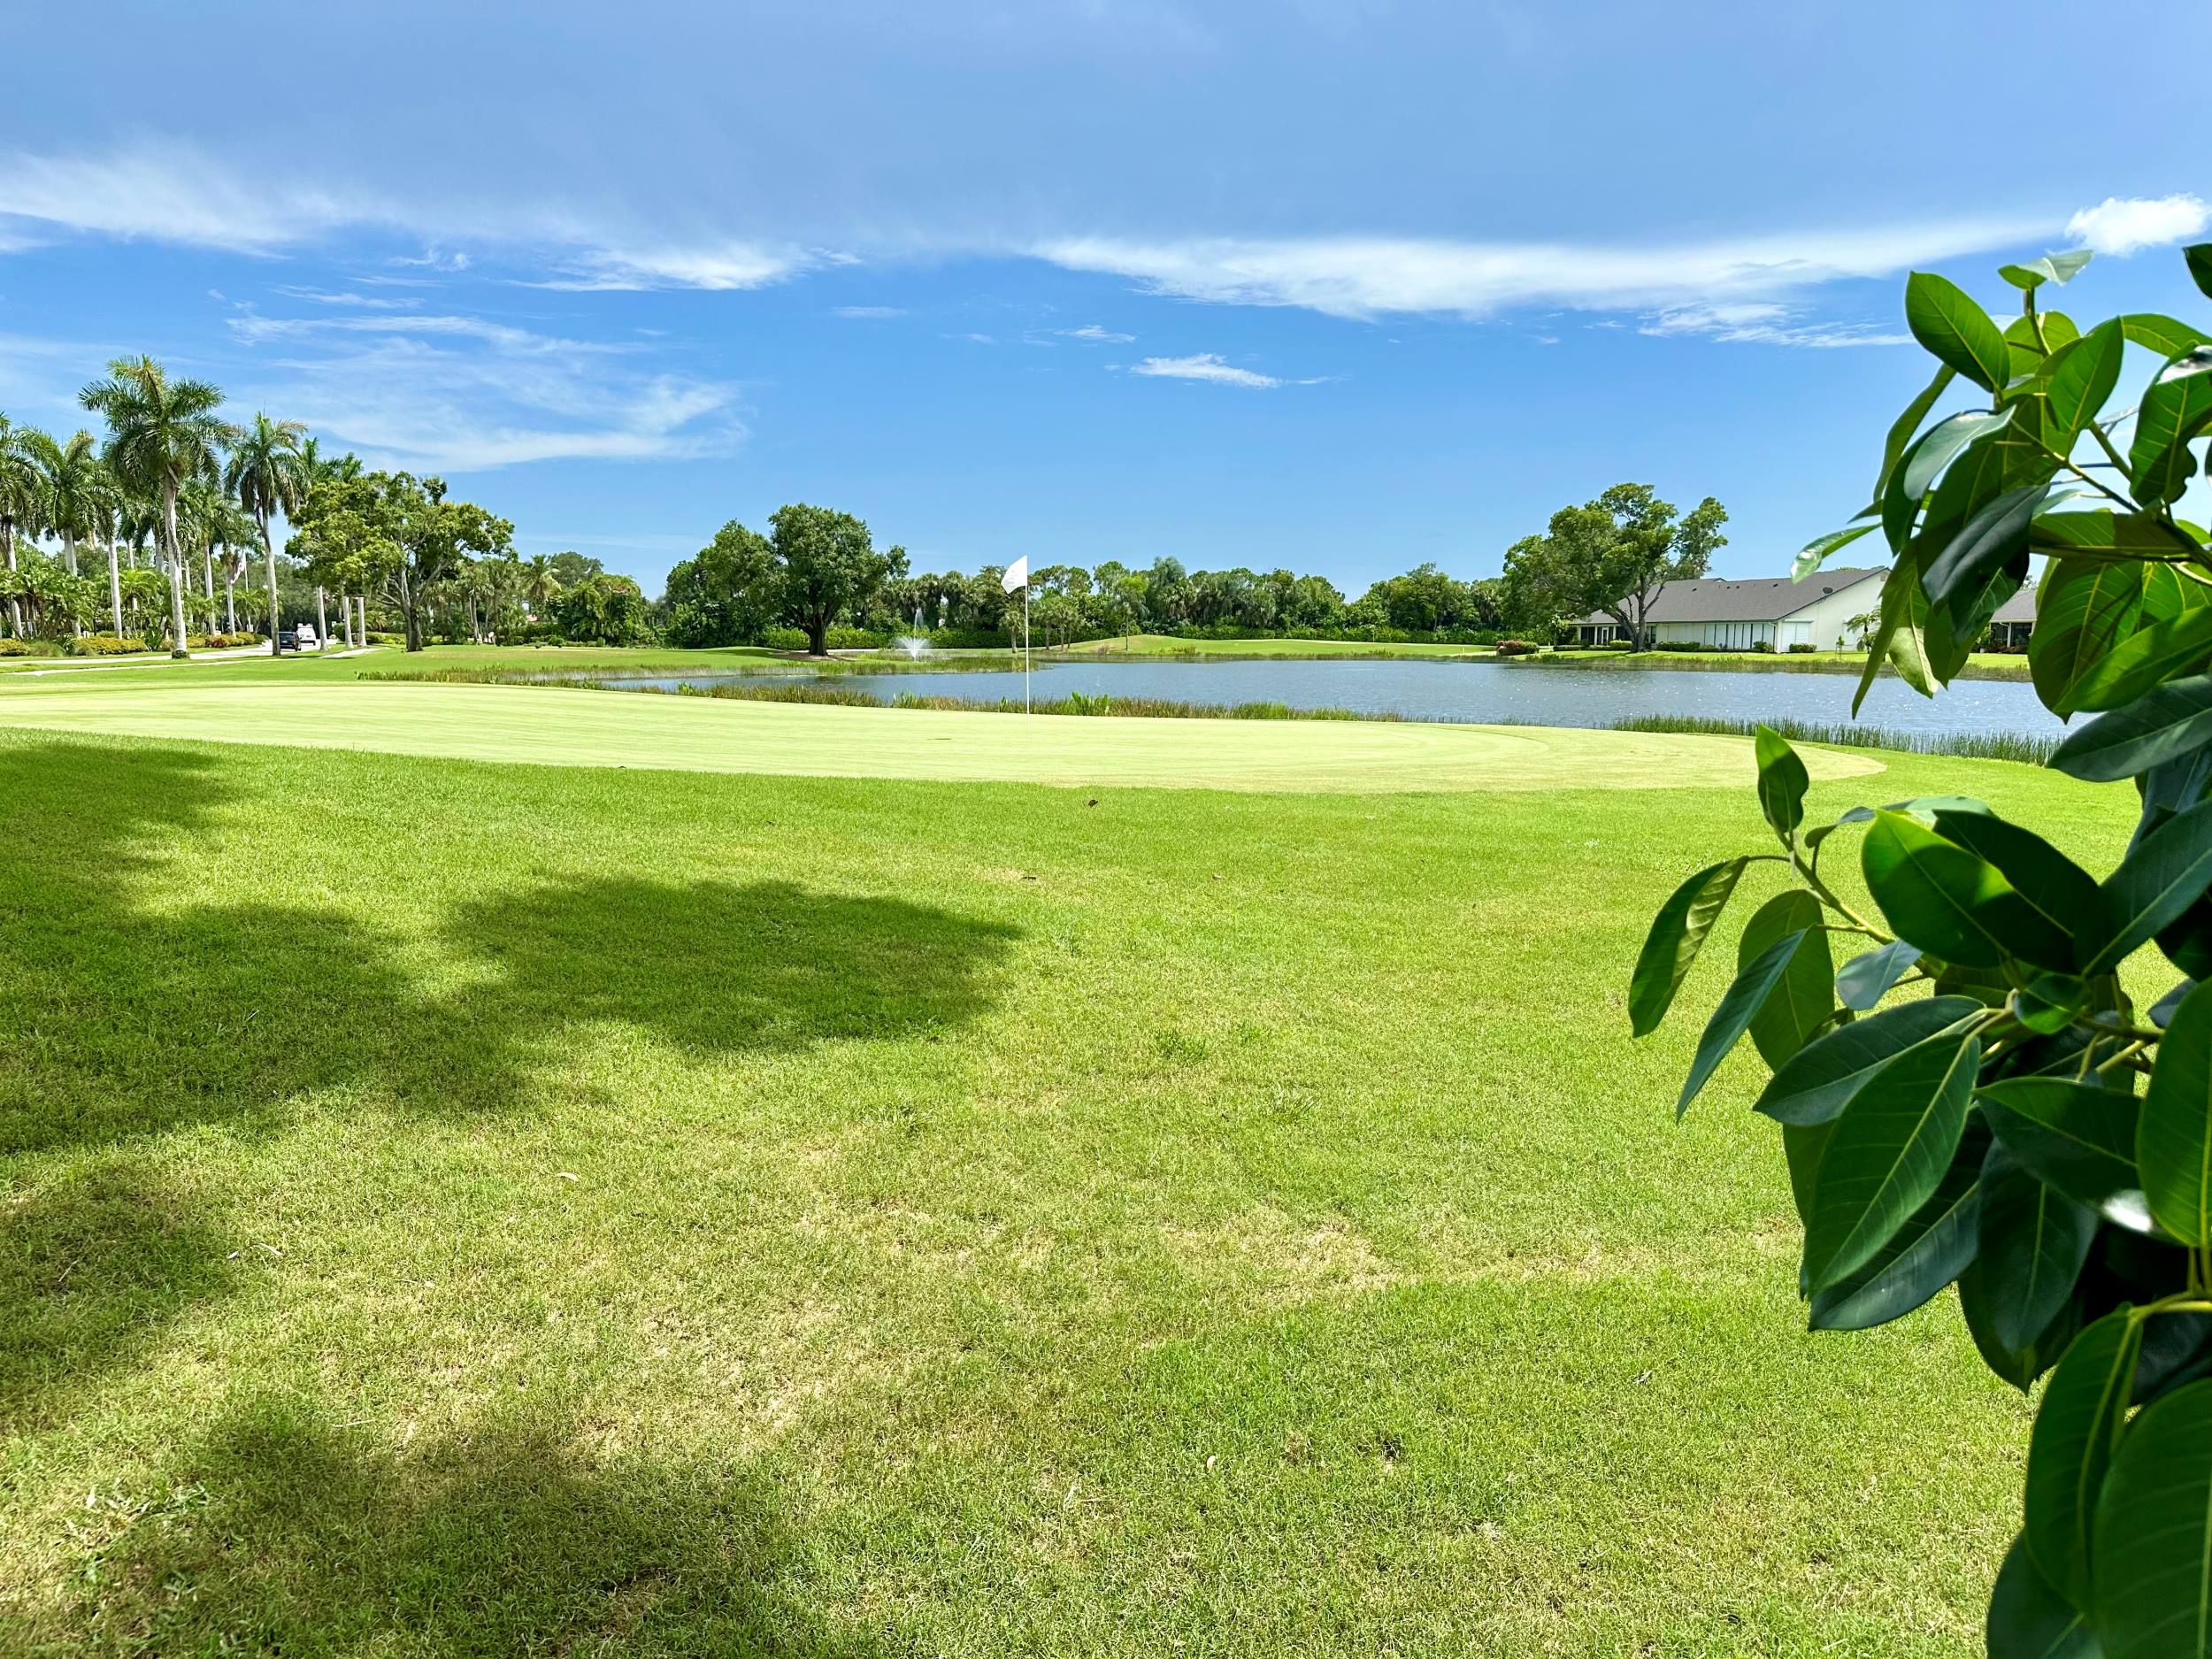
x: 721, y: 266
x: 2121, y: 224
x: 1766, y: 322
x: 1204, y: 365
x: 1364, y: 278
x: 868, y: 311
x: 1092, y: 331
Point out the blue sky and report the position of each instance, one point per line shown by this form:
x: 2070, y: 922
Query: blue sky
x: 1338, y: 284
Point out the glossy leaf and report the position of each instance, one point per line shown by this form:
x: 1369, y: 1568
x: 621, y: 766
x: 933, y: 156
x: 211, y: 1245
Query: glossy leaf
x: 2173, y: 1137
x: 1864, y: 980
x: 1946, y: 439
x: 2153, y: 1539
x: 1783, y: 780
x: 2160, y: 877
x: 1996, y: 536
x: 2103, y: 534
x: 2165, y: 723
x: 2030, y: 1620
x: 1952, y: 902
x: 1929, y: 1251
x: 2046, y: 880
x: 1814, y: 552
x: 2164, y: 335
x: 1733, y: 1016
x: 2034, y: 1240
x: 1901, y: 429
x: 1678, y: 933
x: 2051, y: 1001
x: 1900, y: 636
x: 2019, y: 1366
x: 2176, y: 410
x: 1804, y: 998
x: 1887, y: 1156
x: 2140, y: 662
x: 1820, y: 1079
x: 1948, y: 322
x: 2077, y: 1431
x: 2074, y: 1136
x: 2199, y: 257
x: 2080, y: 381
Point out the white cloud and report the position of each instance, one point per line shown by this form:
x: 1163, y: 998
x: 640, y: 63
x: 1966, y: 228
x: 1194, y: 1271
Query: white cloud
x: 1205, y: 366
x: 1092, y: 331
x: 1362, y: 277
x: 1765, y: 322
x: 2120, y: 224
x: 720, y: 266
x: 868, y: 311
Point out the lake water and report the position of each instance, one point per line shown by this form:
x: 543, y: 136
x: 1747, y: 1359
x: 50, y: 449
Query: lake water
x: 1480, y: 692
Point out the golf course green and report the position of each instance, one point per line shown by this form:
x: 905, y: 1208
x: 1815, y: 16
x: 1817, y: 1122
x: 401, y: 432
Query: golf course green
x: 773, y: 1179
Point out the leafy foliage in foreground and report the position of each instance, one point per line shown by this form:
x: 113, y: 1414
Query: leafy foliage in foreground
x: 2021, y: 1129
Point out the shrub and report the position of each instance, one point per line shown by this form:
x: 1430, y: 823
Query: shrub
x: 1764, y: 646
x: 105, y: 645
x: 1801, y: 650
x: 1516, y: 648
x: 25, y: 648
x: 1678, y: 645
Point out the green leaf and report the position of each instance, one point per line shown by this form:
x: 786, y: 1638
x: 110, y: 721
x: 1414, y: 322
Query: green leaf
x: 2077, y: 1428
x: 1996, y: 536
x: 2111, y: 535
x: 2146, y: 658
x: 1803, y: 998
x: 1814, y: 552
x: 2169, y: 721
x: 1945, y: 321
x: 1901, y: 429
x: 2019, y: 1366
x: 2047, y: 881
x: 1864, y: 980
x: 2051, y: 1001
x: 1952, y: 902
x: 2198, y: 255
x: 2030, y: 1620
x: 2152, y: 1541
x: 2031, y: 352
x: 2161, y: 334
x: 1928, y: 1252
x: 2074, y: 1136
x: 2087, y: 610
x: 2176, y: 410
x: 2033, y: 273
x: 1944, y: 439
x: 1887, y: 1156
x: 1678, y: 933
x: 2034, y: 1240
x: 1730, y: 1020
x: 1821, y: 1078
x: 1802, y: 1145
x: 2173, y: 1137
x: 2161, y: 876
x: 1900, y: 636
x: 2078, y: 381
x: 1783, y: 782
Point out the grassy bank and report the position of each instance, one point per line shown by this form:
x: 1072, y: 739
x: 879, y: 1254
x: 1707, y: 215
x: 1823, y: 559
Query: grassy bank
x: 1980, y: 666
x: 470, y: 1209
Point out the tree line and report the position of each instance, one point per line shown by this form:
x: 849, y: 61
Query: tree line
x: 817, y: 572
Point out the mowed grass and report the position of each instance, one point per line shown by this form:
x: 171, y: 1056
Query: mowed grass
x: 564, y: 726
x: 466, y: 1209
x: 1169, y: 645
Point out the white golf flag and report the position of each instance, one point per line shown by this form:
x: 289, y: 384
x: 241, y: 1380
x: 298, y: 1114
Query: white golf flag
x: 1016, y: 574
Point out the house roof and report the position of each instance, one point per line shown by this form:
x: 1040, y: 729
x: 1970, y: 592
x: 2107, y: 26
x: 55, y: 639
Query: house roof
x: 1760, y: 599
x: 2019, y: 608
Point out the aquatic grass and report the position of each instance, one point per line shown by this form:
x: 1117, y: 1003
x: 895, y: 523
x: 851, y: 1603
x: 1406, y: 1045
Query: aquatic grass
x: 2030, y: 748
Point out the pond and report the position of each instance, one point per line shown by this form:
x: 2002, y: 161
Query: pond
x: 1478, y: 692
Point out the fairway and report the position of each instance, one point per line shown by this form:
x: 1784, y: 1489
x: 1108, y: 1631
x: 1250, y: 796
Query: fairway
x: 550, y: 727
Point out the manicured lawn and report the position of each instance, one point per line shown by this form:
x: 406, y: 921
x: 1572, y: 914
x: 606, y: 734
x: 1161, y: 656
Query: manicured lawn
x: 1980, y: 664
x: 555, y: 726
x: 469, y: 1208
x: 348, y: 666
x: 1162, y: 644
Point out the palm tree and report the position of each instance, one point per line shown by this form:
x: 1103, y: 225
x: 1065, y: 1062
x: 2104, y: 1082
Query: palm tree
x: 22, y: 501
x: 541, y: 586
x: 270, y: 473
x: 78, y: 495
x: 162, y: 433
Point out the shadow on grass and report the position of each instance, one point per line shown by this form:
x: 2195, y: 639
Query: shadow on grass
x: 130, y: 1011
x: 280, y: 1534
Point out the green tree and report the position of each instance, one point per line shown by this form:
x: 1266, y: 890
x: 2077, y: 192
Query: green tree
x: 729, y: 594
x: 269, y: 473
x: 22, y: 503
x: 162, y: 434
x: 1976, y: 1098
x: 1612, y: 554
x: 80, y: 497
x: 828, y: 566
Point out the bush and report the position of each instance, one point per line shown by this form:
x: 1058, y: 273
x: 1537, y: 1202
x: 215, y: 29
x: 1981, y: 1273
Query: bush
x: 1618, y: 645
x: 784, y: 640
x: 1516, y: 648
x: 1801, y: 650
x: 25, y: 648
x: 1765, y: 646
x: 105, y: 645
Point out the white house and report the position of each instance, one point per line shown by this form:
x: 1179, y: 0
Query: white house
x: 1822, y: 611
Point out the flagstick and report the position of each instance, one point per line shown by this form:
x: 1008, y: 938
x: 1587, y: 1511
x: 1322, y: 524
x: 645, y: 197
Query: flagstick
x: 1026, y: 668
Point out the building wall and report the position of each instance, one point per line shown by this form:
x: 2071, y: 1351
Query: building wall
x: 1824, y: 625
x: 1828, y: 620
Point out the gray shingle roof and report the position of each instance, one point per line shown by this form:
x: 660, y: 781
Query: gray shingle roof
x: 2019, y: 608
x: 1759, y: 599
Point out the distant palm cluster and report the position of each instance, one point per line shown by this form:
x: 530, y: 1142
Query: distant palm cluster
x: 159, y: 535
